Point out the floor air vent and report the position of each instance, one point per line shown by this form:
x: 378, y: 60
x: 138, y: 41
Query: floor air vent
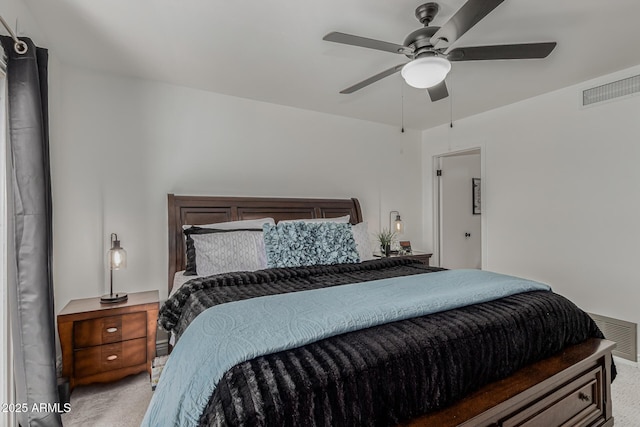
x: 624, y: 334
x: 612, y: 90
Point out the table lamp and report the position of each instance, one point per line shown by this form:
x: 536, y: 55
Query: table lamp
x: 117, y: 259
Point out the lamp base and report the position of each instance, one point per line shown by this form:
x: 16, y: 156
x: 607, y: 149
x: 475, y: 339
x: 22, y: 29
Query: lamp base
x: 113, y: 298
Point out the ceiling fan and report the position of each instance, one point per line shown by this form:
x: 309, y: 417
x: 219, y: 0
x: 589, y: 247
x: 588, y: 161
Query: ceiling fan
x: 428, y: 48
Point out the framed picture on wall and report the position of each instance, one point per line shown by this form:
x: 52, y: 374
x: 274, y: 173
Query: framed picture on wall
x: 477, y: 199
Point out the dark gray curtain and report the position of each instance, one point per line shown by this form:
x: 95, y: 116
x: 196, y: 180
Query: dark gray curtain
x: 29, y: 205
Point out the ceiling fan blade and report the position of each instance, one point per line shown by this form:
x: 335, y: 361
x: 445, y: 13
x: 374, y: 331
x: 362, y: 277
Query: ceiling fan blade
x: 373, y: 79
x: 365, y: 42
x: 506, y: 51
x: 438, y: 92
x: 463, y: 20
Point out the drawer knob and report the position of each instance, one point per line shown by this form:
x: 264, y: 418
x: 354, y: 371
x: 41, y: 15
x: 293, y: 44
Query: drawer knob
x: 112, y: 330
x: 112, y: 357
x: 583, y: 397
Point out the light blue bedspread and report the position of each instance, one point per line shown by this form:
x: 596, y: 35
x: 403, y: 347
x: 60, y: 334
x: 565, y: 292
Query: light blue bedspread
x: 225, y: 335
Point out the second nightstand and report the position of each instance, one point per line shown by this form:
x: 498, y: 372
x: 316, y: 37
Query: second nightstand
x: 422, y: 257
x: 103, y: 343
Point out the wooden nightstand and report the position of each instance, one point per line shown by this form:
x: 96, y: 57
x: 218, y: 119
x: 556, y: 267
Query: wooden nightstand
x: 422, y: 257
x: 106, y: 342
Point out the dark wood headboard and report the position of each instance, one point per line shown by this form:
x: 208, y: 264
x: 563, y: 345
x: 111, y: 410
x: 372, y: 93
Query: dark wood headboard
x: 194, y: 210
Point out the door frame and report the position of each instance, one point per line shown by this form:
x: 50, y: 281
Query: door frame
x: 437, y: 209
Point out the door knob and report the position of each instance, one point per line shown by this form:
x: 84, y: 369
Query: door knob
x: 467, y: 235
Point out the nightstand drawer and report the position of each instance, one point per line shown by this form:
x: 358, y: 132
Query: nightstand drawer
x: 109, y: 329
x: 423, y: 258
x: 109, y: 357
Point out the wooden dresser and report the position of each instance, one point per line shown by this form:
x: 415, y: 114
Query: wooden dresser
x: 106, y: 342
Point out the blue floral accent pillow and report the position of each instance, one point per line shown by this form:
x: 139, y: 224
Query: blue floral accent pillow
x: 300, y: 243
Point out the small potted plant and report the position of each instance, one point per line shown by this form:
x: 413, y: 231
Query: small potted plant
x: 385, y: 237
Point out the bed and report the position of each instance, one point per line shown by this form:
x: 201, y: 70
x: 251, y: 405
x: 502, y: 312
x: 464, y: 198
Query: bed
x: 568, y: 385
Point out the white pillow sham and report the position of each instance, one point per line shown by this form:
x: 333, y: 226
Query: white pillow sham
x: 363, y: 241
x: 230, y: 251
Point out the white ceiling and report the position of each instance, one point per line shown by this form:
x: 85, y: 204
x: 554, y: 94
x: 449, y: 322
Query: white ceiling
x: 272, y: 50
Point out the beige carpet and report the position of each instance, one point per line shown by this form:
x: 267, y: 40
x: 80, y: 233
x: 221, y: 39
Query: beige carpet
x: 123, y: 404
x: 119, y: 404
x: 625, y: 395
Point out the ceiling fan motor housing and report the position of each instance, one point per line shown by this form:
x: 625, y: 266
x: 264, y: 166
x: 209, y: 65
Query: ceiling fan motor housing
x: 419, y: 40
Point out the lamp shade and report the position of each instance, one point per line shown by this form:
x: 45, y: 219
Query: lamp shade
x: 116, y: 260
x: 116, y: 256
x: 423, y: 73
x: 398, y: 226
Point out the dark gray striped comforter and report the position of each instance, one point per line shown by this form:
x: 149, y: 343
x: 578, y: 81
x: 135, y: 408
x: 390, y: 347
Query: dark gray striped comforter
x: 381, y: 375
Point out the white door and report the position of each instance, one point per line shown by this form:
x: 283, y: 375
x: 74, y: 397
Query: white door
x: 460, y: 227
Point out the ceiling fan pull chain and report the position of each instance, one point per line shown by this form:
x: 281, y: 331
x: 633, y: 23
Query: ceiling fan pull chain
x: 402, y: 104
x: 450, y: 104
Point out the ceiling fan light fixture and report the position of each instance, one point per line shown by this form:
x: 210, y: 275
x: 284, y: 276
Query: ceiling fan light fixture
x: 423, y: 73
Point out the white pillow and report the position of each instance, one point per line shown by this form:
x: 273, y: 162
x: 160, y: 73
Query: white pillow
x: 363, y: 241
x: 236, y: 225
x: 342, y: 219
x: 225, y: 252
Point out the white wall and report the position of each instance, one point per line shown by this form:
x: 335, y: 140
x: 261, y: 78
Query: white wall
x: 126, y: 143
x: 561, y: 190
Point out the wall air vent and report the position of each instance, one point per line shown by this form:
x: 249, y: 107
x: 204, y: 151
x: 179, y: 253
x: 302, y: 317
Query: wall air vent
x: 609, y: 91
x: 624, y: 334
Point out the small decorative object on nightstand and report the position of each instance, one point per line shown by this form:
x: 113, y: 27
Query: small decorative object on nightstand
x: 117, y: 259
x: 103, y: 343
x: 385, y: 237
